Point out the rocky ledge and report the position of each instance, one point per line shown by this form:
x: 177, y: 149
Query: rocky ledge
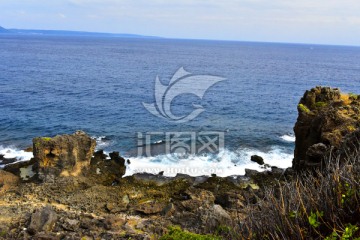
x: 69, y: 192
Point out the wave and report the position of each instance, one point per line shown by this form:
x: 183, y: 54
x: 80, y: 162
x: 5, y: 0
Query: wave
x: 101, y: 142
x: 223, y: 164
x: 12, y: 152
x: 288, y: 138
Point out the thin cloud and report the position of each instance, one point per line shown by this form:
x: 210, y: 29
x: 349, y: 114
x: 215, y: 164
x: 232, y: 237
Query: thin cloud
x: 231, y: 19
x: 61, y: 15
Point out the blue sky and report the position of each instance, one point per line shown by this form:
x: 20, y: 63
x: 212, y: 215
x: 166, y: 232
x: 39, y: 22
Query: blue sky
x: 305, y: 21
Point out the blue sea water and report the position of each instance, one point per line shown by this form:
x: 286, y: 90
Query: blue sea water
x: 56, y: 85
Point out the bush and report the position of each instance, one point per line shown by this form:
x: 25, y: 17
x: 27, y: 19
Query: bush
x: 353, y: 96
x: 304, y: 108
x: 320, y: 104
x: 176, y: 233
x: 322, y: 204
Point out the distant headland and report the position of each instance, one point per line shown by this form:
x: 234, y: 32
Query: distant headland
x: 3, y: 30
x: 69, y: 33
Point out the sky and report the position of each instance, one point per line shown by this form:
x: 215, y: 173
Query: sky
x: 294, y: 21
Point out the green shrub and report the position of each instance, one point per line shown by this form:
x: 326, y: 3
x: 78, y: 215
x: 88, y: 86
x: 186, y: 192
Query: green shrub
x: 353, y: 96
x: 347, y: 234
x: 320, y: 104
x: 314, y: 218
x: 176, y: 233
x: 2, y: 233
x: 303, y: 108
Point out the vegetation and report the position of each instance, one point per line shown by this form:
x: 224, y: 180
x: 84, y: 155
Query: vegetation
x: 176, y: 233
x: 320, y: 104
x: 321, y: 204
x: 351, y: 128
x: 2, y: 233
x: 353, y: 96
x: 46, y: 139
x: 304, y: 108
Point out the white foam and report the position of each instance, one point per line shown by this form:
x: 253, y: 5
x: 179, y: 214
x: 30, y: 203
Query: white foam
x: 12, y: 152
x: 225, y: 163
x: 158, y: 142
x: 288, y: 138
x: 101, y: 142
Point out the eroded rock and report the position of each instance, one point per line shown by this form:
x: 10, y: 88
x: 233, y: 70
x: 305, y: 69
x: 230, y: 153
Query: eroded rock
x: 326, y: 118
x: 63, y: 155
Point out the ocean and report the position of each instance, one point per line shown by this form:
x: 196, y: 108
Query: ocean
x: 57, y: 85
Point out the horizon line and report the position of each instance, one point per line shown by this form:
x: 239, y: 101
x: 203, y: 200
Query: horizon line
x: 136, y: 35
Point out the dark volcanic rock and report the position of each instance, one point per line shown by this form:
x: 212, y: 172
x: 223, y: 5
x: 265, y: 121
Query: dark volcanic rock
x: 99, y: 156
x: 4, y: 160
x: 259, y: 160
x: 107, y: 171
x: 250, y: 172
x: 326, y: 118
x: 63, y: 155
x: 317, y: 152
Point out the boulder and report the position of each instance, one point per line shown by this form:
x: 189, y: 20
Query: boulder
x: 221, y: 215
x: 150, y: 207
x: 8, y: 181
x: 259, y: 160
x: 71, y: 224
x: 316, y: 153
x: 107, y: 171
x: 326, y: 117
x: 197, y: 198
x: 63, y: 155
x: 42, y: 220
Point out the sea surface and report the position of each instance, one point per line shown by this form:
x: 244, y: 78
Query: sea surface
x: 56, y: 85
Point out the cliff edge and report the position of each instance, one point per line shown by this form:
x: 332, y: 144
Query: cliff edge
x: 328, y: 122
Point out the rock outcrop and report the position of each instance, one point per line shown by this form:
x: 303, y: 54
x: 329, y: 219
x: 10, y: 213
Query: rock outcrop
x: 107, y: 171
x: 63, y: 155
x: 85, y: 196
x: 326, y: 119
x: 8, y: 181
x: 259, y: 160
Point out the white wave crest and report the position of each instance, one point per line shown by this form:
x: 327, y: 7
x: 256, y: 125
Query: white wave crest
x: 101, y: 142
x: 288, y: 138
x: 225, y: 163
x: 12, y: 152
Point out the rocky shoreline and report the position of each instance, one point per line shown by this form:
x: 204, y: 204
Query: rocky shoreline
x: 68, y: 191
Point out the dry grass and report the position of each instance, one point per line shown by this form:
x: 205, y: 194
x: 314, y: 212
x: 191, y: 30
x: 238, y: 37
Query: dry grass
x: 315, y: 205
